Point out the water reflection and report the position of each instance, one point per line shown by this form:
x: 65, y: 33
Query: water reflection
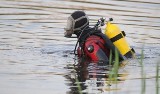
x: 92, y: 78
x: 33, y: 51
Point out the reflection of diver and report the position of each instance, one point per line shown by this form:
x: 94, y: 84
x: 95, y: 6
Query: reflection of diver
x: 78, y: 75
x: 86, y: 76
x: 90, y: 78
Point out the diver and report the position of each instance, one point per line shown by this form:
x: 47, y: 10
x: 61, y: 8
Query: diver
x: 92, y: 44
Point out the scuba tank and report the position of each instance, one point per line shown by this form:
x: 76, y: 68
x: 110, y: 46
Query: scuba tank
x: 113, y: 32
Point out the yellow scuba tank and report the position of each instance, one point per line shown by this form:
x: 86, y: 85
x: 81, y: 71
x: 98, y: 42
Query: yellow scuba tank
x: 118, y: 38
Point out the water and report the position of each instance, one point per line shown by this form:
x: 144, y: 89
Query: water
x: 36, y: 59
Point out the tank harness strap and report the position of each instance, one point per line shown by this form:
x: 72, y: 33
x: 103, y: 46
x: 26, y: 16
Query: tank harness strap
x: 130, y: 53
x: 109, y: 45
x: 117, y: 37
x: 133, y: 50
x: 124, y: 34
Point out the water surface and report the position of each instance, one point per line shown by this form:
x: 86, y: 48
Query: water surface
x: 36, y: 59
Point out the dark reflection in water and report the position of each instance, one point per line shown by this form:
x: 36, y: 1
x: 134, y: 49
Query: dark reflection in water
x: 92, y: 78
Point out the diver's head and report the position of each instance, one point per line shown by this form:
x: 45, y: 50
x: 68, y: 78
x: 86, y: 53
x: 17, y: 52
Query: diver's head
x: 76, y: 22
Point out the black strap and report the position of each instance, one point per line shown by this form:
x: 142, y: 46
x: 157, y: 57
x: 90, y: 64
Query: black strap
x: 109, y: 45
x: 124, y: 34
x: 133, y: 50
x: 130, y: 53
x: 117, y: 37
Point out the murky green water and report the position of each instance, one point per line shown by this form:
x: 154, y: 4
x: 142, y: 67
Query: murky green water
x: 35, y: 58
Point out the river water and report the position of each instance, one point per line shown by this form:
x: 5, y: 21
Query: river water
x: 35, y: 58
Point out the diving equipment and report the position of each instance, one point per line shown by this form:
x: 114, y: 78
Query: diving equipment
x: 113, y: 32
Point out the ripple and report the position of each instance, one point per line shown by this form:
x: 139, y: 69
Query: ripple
x: 35, y: 55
